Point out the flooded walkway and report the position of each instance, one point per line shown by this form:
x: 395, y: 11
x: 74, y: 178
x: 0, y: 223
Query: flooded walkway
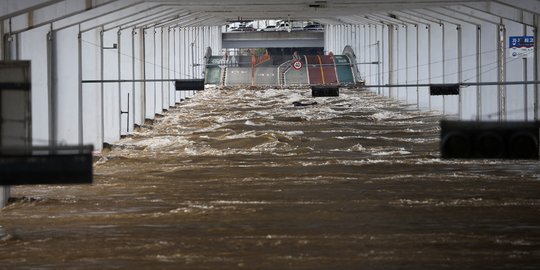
x: 242, y: 179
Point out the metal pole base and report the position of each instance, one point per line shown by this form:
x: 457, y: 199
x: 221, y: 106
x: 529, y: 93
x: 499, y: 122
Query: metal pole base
x: 4, y: 195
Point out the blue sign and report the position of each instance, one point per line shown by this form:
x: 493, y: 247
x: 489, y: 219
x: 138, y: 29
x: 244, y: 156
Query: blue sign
x: 521, y: 42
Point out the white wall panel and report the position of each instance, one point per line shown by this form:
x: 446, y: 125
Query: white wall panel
x: 158, y: 69
x: 468, y: 71
x: 149, y: 63
x: 516, y: 95
x: 365, y: 55
x: 385, y: 64
x: 412, y: 63
x: 488, y: 71
x: 138, y: 62
x: 402, y: 62
x: 423, y: 66
x: 33, y: 47
x: 373, y: 56
x: 165, y: 64
x: 436, y: 62
x: 530, y: 77
x: 171, y: 66
x: 91, y: 63
x: 66, y: 82
x: 126, y: 73
x: 181, y: 58
x: 177, y: 61
x: 111, y: 90
x: 451, y: 72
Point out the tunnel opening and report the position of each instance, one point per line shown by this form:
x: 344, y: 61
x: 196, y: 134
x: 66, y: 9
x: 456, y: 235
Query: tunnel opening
x: 281, y: 67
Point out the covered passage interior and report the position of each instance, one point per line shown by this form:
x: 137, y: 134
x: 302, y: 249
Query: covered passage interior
x: 237, y: 176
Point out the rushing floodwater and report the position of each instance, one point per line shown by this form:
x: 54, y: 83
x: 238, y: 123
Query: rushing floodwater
x: 243, y: 179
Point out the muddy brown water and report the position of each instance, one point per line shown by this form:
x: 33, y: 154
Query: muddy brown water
x: 242, y: 179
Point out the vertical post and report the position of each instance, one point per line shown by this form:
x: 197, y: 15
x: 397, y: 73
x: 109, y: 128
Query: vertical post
x: 391, y: 56
x: 143, y: 66
x: 4, y: 190
x: 525, y: 86
x: 443, y: 63
x: 52, y: 90
x: 418, y: 66
x: 378, y: 67
x: 174, y: 60
x: 192, y: 59
x: 460, y: 68
x: 133, y: 32
x: 118, y: 41
x: 162, y: 76
x: 102, y: 89
x: 478, y: 72
x: 369, y: 48
x: 5, y: 193
x: 169, y: 62
x: 525, y: 92
x: 9, y: 43
x: 2, y: 44
x: 501, y: 63
x: 406, y: 63
x: 81, y: 126
x: 155, y: 66
x: 429, y: 61
x: 128, y: 113
x: 536, y: 62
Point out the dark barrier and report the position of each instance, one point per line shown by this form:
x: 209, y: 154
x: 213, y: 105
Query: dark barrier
x: 37, y: 166
x: 189, y: 84
x: 502, y: 140
x: 325, y: 91
x: 444, y: 89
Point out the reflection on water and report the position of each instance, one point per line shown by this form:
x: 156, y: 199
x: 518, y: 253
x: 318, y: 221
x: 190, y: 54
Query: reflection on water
x: 243, y: 179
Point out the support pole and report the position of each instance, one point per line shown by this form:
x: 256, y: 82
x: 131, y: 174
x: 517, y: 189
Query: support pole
x: 525, y: 91
x: 155, y: 69
x: 501, y: 63
x: 536, y: 64
x: 417, y: 66
x: 429, y: 62
x: 478, y: 73
x: 52, y: 89
x: 192, y: 60
x: 460, y: 68
x: 162, y: 70
x: 133, y: 32
x: 4, y: 190
x: 525, y: 87
x: 81, y: 126
x: 2, y: 43
x: 443, y: 48
x: 5, y: 193
x: 118, y: 40
x: 407, y: 69
x: 143, y: 66
x: 391, y: 57
x: 379, y: 66
x: 102, y: 90
x: 174, y: 60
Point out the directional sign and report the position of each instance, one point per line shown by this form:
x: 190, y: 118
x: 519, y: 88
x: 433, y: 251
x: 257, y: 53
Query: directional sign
x: 297, y: 65
x: 521, y: 46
